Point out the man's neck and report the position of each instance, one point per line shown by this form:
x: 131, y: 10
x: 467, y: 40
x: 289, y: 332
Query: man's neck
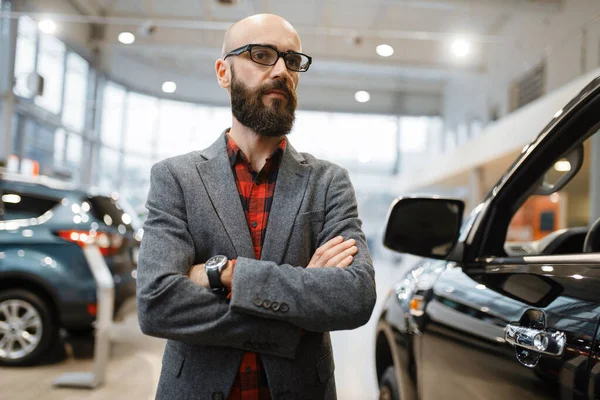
x: 256, y: 148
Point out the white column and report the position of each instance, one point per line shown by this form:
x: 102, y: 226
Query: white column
x: 476, y: 188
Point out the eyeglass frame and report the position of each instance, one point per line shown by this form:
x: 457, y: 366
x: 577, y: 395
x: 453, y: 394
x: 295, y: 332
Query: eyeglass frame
x: 280, y: 54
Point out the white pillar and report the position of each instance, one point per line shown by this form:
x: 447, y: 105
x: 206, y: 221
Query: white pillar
x: 476, y: 188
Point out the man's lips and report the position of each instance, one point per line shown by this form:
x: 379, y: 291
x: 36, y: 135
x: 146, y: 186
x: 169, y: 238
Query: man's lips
x: 278, y: 92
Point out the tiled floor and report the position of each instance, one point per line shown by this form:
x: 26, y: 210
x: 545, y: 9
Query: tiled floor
x: 135, y: 362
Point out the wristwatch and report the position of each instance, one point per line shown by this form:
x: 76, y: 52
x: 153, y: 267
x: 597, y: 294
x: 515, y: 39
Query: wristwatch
x: 213, y: 267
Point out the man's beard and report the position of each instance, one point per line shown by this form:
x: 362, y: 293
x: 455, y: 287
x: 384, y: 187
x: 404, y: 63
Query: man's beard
x: 271, y: 120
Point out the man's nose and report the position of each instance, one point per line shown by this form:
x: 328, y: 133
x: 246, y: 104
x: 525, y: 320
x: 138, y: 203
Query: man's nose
x: 280, y: 69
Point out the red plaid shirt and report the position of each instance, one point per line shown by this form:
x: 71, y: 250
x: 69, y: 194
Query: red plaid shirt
x: 256, y: 194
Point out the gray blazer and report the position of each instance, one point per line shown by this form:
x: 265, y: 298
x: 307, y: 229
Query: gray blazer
x: 278, y: 308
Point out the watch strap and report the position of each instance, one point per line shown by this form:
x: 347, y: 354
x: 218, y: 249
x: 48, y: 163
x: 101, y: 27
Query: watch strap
x: 214, y: 279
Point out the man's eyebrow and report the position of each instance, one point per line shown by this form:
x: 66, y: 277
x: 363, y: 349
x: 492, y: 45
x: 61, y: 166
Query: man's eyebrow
x: 275, y: 47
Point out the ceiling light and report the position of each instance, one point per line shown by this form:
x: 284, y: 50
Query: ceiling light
x: 362, y: 96
x: 562, y: 166
x: 169, y: 87
x: 11, y: 198
x: 461, y: 48
x: 126, y: 37
x: 385, y: 50
x: 47, y: 26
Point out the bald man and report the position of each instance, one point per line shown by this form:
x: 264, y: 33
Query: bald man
x: 252, y: 252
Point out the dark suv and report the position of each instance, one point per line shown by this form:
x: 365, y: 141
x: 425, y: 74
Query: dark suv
x: 488, y: 312
x: 45, y: 281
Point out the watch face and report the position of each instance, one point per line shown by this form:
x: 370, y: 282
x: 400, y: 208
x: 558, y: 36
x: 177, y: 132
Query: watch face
x: 216, y: 261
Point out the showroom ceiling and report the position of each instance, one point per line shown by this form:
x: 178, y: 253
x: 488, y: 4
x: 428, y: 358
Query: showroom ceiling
x: 185, y: 36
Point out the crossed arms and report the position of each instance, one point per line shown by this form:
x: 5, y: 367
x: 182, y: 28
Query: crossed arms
x: 334, y: 292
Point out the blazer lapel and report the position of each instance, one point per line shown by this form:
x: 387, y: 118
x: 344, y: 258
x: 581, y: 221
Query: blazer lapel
x: 217, y: 177
x: 292, y: 179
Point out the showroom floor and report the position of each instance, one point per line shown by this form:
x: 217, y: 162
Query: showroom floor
x: 135, y: 362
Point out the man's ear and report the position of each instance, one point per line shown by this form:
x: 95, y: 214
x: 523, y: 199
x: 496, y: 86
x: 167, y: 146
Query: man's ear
x: 223, y: 76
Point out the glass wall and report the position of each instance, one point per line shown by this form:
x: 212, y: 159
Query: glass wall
x: 52, y: 86
x: 51, y: 65
x: 135, y: 130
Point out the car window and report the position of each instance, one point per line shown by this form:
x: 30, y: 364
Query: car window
x: 562, y: 216
x: 18, y: 205
x: 107, y: 209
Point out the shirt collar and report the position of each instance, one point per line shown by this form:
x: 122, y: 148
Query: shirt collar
x: 235, y: 153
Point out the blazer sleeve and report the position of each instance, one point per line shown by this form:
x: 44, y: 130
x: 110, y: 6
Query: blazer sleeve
x: 315, y: 299
x: 171, y: 306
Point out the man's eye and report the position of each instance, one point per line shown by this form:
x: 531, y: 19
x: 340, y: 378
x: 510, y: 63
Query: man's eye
x: 294, y: 61
x: 261, y: 55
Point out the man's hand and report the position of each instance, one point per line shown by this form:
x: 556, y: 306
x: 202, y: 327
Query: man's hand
x: 198, y: 275
x: 334, y: 253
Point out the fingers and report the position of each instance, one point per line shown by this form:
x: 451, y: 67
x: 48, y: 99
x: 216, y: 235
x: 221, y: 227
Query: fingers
x: 327, y: 246
x: 345, y: 262
x: 314, y: 261
x: 334, y: 253
x: 349, y: 252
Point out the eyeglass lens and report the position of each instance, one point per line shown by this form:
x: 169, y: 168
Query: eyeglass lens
x: 268, y: 56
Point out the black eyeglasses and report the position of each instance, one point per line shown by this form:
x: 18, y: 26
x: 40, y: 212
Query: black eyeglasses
x: 267, y: 55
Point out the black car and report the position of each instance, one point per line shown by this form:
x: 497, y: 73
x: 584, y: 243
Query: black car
x: 45, y: 281
x: 482, y: 316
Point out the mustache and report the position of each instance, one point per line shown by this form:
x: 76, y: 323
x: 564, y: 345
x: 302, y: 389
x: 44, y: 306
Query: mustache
x: 277, y: 85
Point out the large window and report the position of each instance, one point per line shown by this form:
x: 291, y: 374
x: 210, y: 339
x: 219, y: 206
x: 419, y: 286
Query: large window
x: 25, y: 55
x: 74, y: 151
x: 419, y: 137
x: 113, y: 105
x: 51, y: 65
x: 5, y: 58
x: 108, y: 176
x: 136, y: 179
x: 358, y: 142
x: 184, y: 127
x: 60, y: 148
x: 175, y: 128
x: 76, y: 80
x: 209, y: 123
x: 38, y: 145
x: 141, y: 123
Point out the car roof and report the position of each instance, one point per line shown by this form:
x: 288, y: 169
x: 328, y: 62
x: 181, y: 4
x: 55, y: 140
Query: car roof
x: 44, y: 185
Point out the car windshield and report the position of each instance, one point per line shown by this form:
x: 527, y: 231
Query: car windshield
x: 112, y: 211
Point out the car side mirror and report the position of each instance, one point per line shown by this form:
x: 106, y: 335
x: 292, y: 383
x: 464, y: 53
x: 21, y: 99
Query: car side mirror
x: 561, y: 172
x: 426, y: 227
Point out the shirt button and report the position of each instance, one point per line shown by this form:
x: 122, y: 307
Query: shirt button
x: 254, y: 224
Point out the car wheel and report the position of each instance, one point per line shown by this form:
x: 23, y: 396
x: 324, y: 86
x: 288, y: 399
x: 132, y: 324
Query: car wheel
x: 28, y: 329
x: 388, y: 387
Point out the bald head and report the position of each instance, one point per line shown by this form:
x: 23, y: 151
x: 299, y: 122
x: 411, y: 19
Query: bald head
x: 256, y: 28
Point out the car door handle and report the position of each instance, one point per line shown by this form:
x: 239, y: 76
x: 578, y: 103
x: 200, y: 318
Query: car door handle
x: 540, y: 341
